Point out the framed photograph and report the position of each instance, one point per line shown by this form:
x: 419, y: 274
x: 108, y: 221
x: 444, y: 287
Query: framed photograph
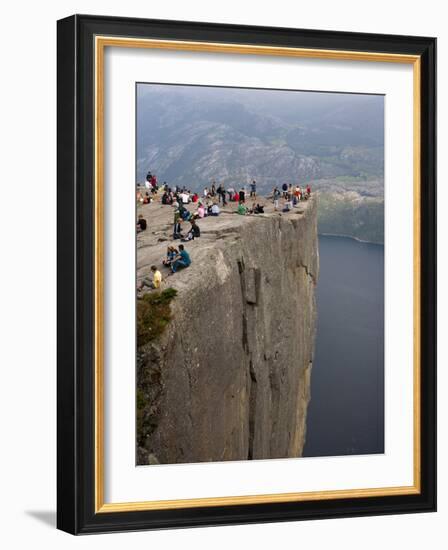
x: 246, y: 274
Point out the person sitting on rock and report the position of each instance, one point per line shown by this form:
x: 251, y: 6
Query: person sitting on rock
x: 171, y: 253
x: 251, y: 210
x: 259, y: 209
x: 141, y: 224
x: 241, y: 209
x: 155, y: 282
x: 194, y: 232
x: 182, y: 260
x: 184, y: 197
x: 214, y: 210
x: 184, y: 213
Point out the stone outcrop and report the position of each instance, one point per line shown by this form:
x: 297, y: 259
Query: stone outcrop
x: 230, y: 377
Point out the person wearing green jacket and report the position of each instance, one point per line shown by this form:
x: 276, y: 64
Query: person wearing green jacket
x: 241, y: 209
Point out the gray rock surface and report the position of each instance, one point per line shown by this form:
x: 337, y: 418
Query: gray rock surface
x: 230, y: 377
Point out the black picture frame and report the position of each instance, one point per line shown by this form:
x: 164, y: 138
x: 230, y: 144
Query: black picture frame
x: 76, y: 271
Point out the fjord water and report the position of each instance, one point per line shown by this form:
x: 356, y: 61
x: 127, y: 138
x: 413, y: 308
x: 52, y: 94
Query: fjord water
x: 346, y: 411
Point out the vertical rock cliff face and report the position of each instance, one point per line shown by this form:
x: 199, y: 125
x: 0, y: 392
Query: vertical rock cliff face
x: 230, y: 377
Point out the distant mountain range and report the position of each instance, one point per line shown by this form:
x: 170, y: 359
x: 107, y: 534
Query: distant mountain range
x: 191, y: 135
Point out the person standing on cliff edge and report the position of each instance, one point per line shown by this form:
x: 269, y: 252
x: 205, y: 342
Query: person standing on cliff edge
x: 275, y: 197
x: 253, y: 189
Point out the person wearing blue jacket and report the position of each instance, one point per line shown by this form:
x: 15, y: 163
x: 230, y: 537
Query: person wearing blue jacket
x: 182, y: 260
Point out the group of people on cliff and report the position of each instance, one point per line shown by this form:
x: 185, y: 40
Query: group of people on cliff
x: 208, y: 204
x: 291, y: 195
x: 176, y: 259
x: 214, y: 194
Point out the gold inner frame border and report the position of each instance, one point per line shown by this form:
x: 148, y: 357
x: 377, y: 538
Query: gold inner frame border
x: 101, y: 42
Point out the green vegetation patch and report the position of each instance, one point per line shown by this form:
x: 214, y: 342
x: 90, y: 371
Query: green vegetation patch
x: 153, y: 315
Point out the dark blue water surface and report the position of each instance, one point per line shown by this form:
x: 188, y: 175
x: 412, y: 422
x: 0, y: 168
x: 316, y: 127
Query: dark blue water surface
x: 346, y: 411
